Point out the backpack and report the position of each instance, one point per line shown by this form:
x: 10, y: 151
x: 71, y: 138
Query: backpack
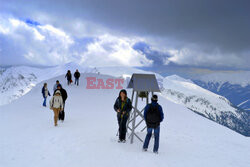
x: 153, y: 116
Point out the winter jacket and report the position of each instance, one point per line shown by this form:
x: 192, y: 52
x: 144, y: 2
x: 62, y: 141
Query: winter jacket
x: 68, y: 76
x: 77, y: 75
x: 45, y: 92
x: 153, y: 115
x: 63, y: 94
x: 127, y: 107
x: 56, y: 102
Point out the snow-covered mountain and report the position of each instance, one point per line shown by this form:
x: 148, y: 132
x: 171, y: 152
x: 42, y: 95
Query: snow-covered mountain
x: 235, y: 86
x: 17, y: 81
x: 206, y: 103
x: 88, y: 135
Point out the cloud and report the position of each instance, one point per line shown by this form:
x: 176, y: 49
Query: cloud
x: 214, y: 33
x: 38, y: 44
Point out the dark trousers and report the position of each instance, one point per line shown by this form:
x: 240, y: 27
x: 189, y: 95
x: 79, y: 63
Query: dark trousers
x: 122, y: 122
x: 77, y: 81
x: 148, y: 137
x: 62, y: 113
x: 69, y: 82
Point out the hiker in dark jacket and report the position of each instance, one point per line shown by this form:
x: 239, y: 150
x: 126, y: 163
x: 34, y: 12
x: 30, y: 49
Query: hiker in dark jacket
x: 153, y: 115
x: 123, y: 107
x: 45, y: 93
x: 69, y: 77
x: 64, y: 97
x: 77, y: 76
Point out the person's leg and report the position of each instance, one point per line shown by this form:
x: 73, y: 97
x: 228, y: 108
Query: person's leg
x: 56, y: 112
x: 157, y: 138
x: 148, y: 137
x: 119, y: 125
x: 124, y: 128
x: 63, y: 113
x: 77, y: 81
x: 44, y: 102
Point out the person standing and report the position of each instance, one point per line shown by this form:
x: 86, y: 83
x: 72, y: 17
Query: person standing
x: 55, y: 86
x: 69, y: 77
x: 122, y: 106
x: 56, y: 104
x: 77, y: 76
x: 153, y: 115
x: 45, y: 93
x: 64, y: 98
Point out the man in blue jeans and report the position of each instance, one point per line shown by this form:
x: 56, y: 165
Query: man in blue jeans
x: 153, y: 115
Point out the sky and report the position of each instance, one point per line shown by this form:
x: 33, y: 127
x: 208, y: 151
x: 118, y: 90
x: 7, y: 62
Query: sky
x: 143, y: 33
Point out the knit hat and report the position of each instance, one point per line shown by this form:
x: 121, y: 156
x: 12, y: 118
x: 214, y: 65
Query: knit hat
x: 154, y: 98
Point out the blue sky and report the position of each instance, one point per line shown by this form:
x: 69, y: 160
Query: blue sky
x: 188, y: 34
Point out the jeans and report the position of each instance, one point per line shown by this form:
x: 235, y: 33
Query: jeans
x: 76, y: 81
x: 148, y: 137
x: 44, y: 101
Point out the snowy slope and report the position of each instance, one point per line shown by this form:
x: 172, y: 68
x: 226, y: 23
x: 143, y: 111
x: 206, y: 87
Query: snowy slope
x: 17, y: 81
x: 87, y: 137
x: 175, y: 88
x: 206, y: 103
x: 234, y: 85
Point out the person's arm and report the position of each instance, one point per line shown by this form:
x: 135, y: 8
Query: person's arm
x: 129, y: 108
x: 161, y: 113
x: 50, y: 102
x: 48, y: 93
x: 146, y: 111
x: 66, y: 95
x: 43, y: 92
x: 61, y: 103
x: 116, y: 105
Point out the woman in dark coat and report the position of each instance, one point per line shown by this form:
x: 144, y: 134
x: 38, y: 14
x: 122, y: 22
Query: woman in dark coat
x: 122, y: 106
x: 69, y: 77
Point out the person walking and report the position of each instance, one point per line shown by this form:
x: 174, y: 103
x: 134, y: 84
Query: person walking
x: 77, y: 76
x: 45, y: 93
x: 122, y: 106
x: 153, y: 115
x: 64, y: 97
x: 55, y: 86
x: 69, y: 77
x: 56, y: 104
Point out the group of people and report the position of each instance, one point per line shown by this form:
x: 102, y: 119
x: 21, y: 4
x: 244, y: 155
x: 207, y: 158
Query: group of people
x: 69, y: 77
x: 153, y: 113
x: 153, y: 116
x: 57, y: 102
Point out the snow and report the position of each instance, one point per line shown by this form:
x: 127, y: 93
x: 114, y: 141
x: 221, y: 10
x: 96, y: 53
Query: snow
x: 17, y: 81
x: 182, y: 89
x: 88, y: 135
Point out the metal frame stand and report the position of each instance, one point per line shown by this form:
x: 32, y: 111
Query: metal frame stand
x: 136, y: 114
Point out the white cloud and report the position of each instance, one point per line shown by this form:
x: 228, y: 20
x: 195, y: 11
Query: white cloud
x: 108, y: 50
x: 48, y: 45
